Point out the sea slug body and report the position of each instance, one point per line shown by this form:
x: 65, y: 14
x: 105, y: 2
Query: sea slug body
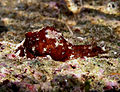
x: 48, y: 41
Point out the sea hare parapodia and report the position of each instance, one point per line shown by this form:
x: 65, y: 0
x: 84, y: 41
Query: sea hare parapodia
x: 49, y: 41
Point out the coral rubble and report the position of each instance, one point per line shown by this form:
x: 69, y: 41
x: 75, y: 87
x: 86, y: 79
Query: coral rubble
x: 50, y: 42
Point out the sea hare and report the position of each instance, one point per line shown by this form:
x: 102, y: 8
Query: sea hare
x: 49, y: 41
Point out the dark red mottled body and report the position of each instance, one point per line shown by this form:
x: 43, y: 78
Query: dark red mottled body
x: 50, y: 42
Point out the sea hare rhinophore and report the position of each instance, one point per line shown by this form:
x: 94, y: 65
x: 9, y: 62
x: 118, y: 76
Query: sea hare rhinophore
x: 49, y: 41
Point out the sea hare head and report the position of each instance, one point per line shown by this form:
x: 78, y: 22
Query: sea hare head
x: 49, y: 41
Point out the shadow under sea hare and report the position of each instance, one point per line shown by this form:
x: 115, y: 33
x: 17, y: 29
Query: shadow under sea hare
x: 48, y: 41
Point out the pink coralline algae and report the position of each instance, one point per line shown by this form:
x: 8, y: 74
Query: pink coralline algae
x: 49, y: 41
